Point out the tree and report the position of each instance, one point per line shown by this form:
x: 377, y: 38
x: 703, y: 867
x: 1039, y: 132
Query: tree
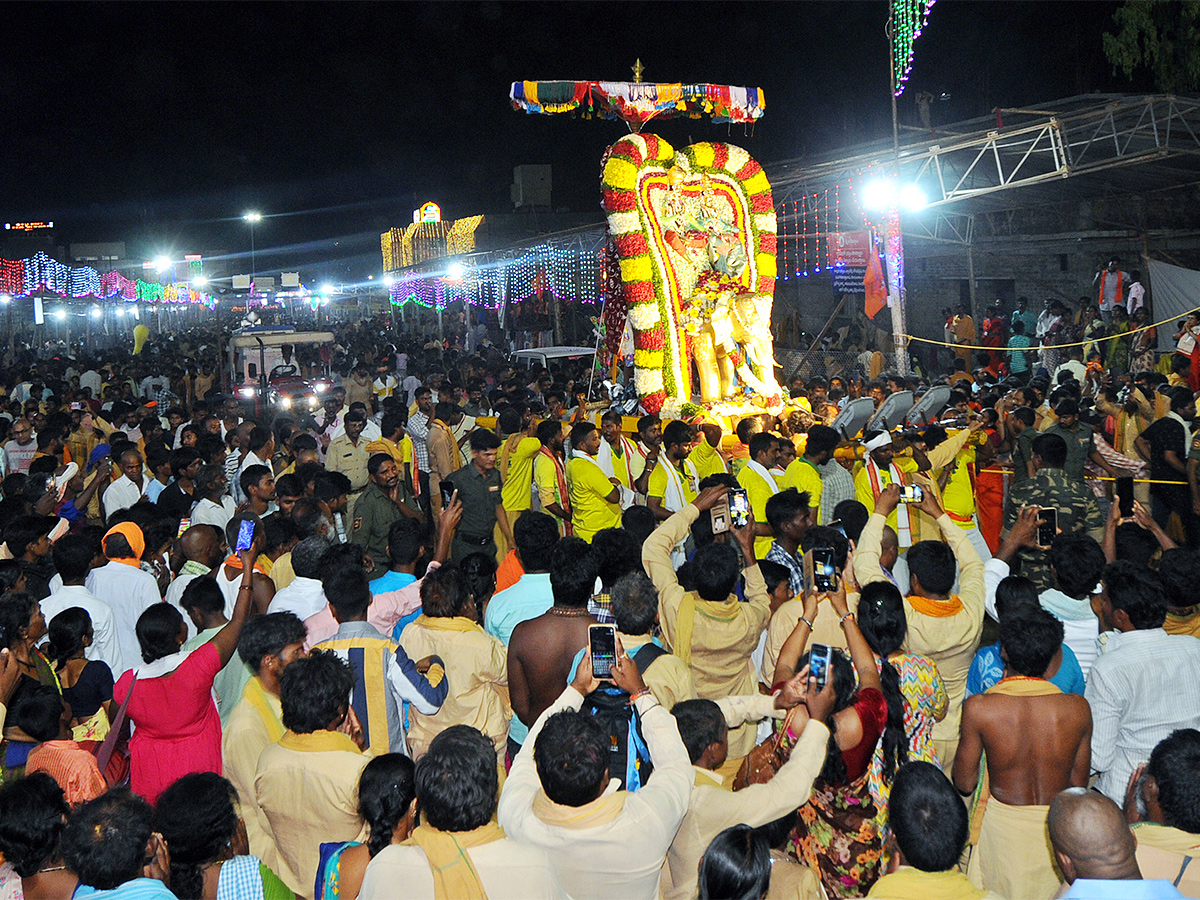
x: 1162, y: 36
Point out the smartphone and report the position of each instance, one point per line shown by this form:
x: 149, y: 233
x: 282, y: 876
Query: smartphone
x: 1125, y: 495
x: 820, y: 659
x: 602, y: 644
x: 911, y: 493
x: 184, y: 524
x: 739, y: 507
x: 245, y: 535
x: 447, y: 489
x: 1047, y: 526
x: 824, y: 571
x: 720, y: 516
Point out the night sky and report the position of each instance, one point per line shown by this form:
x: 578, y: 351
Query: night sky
x: 160, y: 124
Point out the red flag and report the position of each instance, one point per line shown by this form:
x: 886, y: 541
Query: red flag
x: 875, y: 286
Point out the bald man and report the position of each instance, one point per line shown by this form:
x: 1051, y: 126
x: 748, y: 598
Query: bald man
x: 202, y: 547
x: 1096, y: 851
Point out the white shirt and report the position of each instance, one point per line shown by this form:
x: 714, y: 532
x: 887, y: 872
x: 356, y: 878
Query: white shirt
x: 507, y: 870
x: 209, y: 513
x: 129, y: 592
x: 175, y: 594
x: 1144, y: 686
x: 624, y: 857
x: 91, y: 379
x: 122, y: 494
x: 303, y: 596
x: 105, y: 646
x: 1137, y: 297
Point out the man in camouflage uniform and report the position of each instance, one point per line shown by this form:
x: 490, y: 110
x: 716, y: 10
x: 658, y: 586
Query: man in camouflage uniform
x: 1051, y: 487
x: 381, y: 504
x: 1080, y: 445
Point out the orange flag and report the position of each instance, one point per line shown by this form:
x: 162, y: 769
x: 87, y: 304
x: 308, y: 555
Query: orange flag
x: 875, y: 286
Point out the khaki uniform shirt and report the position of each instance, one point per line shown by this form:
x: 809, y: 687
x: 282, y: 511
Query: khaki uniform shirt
x: 374, y: 514
x: 351, y: 460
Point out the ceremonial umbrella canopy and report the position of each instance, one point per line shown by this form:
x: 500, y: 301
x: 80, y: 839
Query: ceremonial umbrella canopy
x: 637, y: 102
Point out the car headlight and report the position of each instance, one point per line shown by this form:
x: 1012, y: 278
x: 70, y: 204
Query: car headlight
x: 312, y: 402
x: 246, y: 392
x: 285, y: 402
x: 320, y: 388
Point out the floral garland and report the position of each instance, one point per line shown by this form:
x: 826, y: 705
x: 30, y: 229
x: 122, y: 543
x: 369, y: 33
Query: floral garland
x: 662, y: 367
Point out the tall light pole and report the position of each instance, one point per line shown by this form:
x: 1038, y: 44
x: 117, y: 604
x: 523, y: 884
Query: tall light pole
x: 253, y: 218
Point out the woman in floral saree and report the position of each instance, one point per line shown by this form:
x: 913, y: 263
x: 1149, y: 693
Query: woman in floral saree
x: 836, y: 833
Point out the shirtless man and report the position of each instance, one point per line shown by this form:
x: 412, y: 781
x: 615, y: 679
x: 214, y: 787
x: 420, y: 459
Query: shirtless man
x: 541, y: 650
x: 1037, y: 741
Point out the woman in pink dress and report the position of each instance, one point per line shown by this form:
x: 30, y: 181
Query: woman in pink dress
x: 178, y: 731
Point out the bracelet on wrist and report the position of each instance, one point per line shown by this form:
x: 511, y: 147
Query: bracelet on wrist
x: 848, y: 615
x: 806, y: 622
x: 633, y: 698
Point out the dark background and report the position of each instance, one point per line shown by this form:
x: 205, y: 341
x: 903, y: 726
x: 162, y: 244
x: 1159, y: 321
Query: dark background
x: 160, y: 124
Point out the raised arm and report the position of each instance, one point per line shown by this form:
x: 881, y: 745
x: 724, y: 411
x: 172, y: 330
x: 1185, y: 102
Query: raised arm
x: 867, y: 567
x: 861, y: 653
x: 226, y: 639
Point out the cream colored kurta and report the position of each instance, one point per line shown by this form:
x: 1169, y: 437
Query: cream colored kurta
x: 826, y: 630
x: 668, y: 677
x: 507, y: 870
x: 307, y: 786
x: 950, y: 641
x: 244, y: 738
x: 724, y: 634
x: 713, y: 808
x: 477, y: 670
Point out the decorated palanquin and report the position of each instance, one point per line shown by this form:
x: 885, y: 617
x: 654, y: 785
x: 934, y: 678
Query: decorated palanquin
x: 694, y: 231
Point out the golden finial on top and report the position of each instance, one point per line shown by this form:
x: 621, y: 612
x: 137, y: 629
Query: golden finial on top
x: 637, y: 72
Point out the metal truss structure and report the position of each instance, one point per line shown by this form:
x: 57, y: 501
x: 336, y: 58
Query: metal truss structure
x: 972, y: 172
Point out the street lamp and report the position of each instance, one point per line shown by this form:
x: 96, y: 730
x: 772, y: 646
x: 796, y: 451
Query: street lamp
x: 253, y: 218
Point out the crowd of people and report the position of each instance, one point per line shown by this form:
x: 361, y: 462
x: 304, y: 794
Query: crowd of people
x: 247, y: 652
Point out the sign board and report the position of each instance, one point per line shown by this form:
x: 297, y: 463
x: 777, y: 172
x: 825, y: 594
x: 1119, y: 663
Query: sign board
x: 848, y: 279
x: 849, y: 248
x: 241, y: 282
x: 264, y: 285
x: 427, y: 212
x: 27, y: 226
x: 289, y: 279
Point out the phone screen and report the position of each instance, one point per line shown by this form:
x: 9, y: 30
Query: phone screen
x: 818, y: 663
x: 911, y: 493
x: 602, y: 643
x: 245, y: 535
x: 184, y: 524
x: 739, y: 507
x: 1125, y: 495
x: 1047, y: 526
x: 824, y: 572
x: 720, y: 516
x: 447, y: 489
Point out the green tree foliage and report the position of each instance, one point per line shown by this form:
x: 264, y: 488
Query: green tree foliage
x: 1162, y: 36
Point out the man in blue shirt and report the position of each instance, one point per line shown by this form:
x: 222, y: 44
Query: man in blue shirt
x: 536, y: 534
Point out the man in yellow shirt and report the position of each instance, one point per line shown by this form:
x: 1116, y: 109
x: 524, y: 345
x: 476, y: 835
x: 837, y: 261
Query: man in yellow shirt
x: 647, y: 448
x: 803, y: 474
x: 516, y: 463
x: 706, y: 455
x: 958, y: 485
x: 595, y: 501
x: 617, y: 453
x: 550, y: 476
x: 881, y: 468
x: 760, y: 485
x: 674, y: 482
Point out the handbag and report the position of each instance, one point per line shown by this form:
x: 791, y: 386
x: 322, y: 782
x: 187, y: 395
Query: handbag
x: 761, y: 763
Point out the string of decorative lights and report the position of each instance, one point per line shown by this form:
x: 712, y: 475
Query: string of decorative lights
x: 909, y: 18
x: 25, y: 277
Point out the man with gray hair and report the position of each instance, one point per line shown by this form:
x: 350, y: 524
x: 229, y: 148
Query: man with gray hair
x: 1096, y: 850
x: 304, y: 596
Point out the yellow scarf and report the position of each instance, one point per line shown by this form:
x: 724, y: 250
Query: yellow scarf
x: 454, y: 877
x: 448, y: 623
x: 318, y: 742
x: 1012, y: 686
x: 938, y: 609
x: 912, y: 884
x: 601, y: 811
x: 256, y: 695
